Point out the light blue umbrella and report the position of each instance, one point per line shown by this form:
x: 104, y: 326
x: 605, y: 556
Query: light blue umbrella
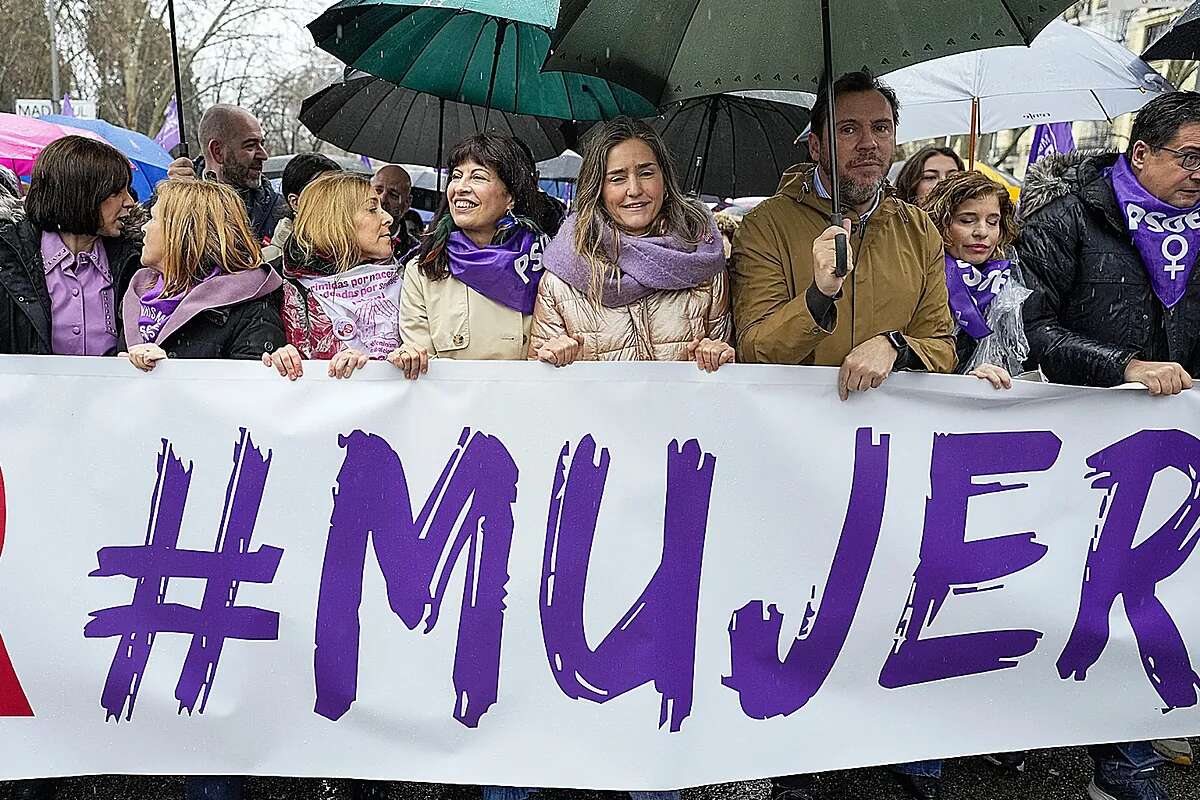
x: 148, y: 159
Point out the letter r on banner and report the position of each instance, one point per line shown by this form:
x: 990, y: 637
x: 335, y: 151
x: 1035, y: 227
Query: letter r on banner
x: 1115, y: 567
x: 13, y: 702
x: 372, y: 501
x: 949, y: 561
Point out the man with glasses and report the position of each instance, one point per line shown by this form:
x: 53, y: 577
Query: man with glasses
x: 1109, y: 248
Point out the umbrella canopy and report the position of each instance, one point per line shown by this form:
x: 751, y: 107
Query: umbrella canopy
x: 22, y: 139
x: 147, y: 157
x: 731, y: 145
x: 368, y: 115
x: 481, y: 52
x: 1067, y: 74
x: 1182, y: 39
x: 668, y: 50
x: 563, y: 168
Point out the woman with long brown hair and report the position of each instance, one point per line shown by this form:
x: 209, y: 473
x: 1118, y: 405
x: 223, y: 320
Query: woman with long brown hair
x: 925, y: 170
x: 637, y: 273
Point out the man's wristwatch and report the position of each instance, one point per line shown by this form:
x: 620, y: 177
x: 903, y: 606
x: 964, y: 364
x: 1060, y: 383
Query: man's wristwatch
x: 900, y: 344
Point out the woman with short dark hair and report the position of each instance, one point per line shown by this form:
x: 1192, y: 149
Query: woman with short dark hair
x: 470, y: 290
x: 67, y: 255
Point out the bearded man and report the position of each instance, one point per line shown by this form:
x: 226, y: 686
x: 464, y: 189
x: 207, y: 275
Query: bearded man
x: 890, y: 311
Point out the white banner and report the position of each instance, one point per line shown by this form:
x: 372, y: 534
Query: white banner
x: 609, y: 575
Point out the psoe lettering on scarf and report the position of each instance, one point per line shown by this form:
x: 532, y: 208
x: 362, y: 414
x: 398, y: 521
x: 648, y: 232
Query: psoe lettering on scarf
x: 1157, y: 222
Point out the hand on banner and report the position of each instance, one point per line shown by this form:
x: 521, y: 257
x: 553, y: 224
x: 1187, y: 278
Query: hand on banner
x: 1160, y: 377
x: 410, y: 358
x: 561, y: 350
x: 346, y: 362
x: 181, y: 168
x: 998, y: 377
x: 709, y: 355
x: 825, y: 259
x: 145, y: 356
x: 867, y: 366
x: 287, y: 361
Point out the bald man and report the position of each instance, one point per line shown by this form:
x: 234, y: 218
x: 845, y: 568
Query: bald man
x: 393, y: 185
x: 234, y: 153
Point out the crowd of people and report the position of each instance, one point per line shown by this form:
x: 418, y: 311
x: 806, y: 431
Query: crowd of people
x: 1089, y: 282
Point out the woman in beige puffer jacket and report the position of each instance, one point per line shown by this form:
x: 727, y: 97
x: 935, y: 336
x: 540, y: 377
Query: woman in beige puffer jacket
x: 638, y: 272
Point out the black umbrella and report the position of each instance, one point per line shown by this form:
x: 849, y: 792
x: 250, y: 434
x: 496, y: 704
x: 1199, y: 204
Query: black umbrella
x: 367, y: 115
x: 1181, y: 41
x: 734, y: 145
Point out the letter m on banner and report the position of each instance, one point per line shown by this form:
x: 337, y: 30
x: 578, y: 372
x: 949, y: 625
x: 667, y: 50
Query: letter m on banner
x: 469, y: 509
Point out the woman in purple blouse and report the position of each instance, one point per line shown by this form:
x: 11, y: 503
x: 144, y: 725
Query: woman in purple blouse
x: 67, y: 254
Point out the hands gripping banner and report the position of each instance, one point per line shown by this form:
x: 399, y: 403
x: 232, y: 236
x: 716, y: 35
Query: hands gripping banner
x: 607, y: 576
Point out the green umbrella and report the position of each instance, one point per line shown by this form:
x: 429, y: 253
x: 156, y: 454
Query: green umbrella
x: 482, y: 52
x: 669, y: 50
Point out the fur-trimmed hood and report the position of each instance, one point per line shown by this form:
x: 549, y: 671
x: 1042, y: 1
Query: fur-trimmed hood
x: 1059, y: 175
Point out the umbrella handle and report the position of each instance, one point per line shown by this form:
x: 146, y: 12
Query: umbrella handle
x: 841, y: 249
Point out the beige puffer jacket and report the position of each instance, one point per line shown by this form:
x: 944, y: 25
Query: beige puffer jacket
x: 657, y: 328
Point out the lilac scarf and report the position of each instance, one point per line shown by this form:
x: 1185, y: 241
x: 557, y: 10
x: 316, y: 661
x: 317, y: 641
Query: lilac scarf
x: 507, y: 273
x: 972, y: 289
x: 648, y: 264
x: 1166, y: 237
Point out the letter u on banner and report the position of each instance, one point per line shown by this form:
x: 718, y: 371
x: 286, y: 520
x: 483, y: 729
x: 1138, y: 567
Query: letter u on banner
x: 656, y: 639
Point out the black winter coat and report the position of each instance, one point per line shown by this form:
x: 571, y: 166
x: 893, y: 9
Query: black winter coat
x: 1093, y: 309
x: 24, y: 299
x: 230, y: 316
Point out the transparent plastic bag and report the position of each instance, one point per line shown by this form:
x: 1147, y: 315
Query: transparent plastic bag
x: 1007, y: 345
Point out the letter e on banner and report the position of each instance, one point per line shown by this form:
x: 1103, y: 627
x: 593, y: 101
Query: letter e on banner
x: 13, y: 702
x: 949, y: 562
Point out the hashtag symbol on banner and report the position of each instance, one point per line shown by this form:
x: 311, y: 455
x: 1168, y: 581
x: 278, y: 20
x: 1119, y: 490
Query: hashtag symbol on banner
x: 156, y: 562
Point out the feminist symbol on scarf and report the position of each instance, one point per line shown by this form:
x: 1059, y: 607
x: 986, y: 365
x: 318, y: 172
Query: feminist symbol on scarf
x: 1174, y: 263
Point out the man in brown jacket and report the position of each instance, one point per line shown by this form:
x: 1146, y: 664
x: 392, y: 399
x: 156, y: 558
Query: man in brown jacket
x: 890, y: 312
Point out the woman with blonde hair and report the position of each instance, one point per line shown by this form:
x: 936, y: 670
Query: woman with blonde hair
x: 637, y: 273
x: 977, y: 220
x: 341, y: 288
x: 202, y: 291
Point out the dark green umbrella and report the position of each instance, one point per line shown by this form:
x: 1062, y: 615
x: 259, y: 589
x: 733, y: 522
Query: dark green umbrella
x: 481, y: 52
x: 669, y: 50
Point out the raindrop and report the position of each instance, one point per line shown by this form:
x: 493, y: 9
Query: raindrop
x: 607, y: 54
x: 339, y: 31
